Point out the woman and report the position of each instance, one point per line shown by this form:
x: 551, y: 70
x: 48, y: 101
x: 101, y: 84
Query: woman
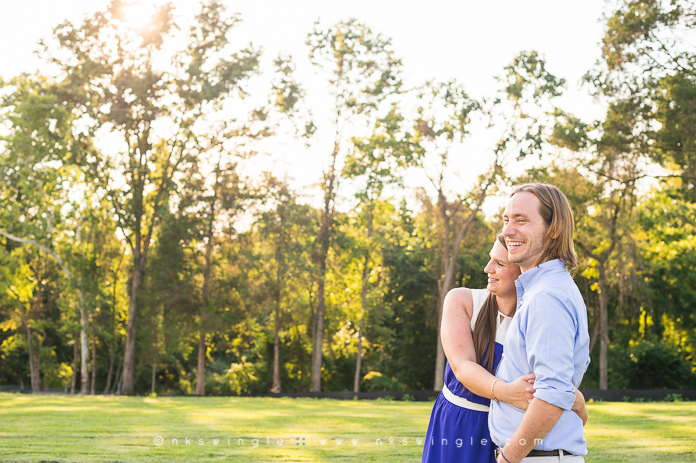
x: 458, y: 429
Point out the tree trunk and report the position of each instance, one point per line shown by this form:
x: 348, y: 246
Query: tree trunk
x: 94, y: 363
x: 154, y: 371
x: 112, y: 329
x: 449, y: 266
x: 594, y: 332
x: 323, y: 240
x: 76, y: 354
x: 117, y: 381
x: 32, y: 372
x: 111, y: 367
x: 313, y: 321
x: 358, y: 363
x: 276, y: 352
x: 280, y: 278
x: 84, y: 344
x: 444, y: 287
x: 127, y: 386
x: 37, y: 315
x: 603, y: 328
x: 363, y: 303
x: 319, y: 331
x: 36, y: 369
x: 200, y: 372
x: 30, y: 349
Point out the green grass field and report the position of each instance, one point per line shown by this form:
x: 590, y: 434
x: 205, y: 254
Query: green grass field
x: 73, y: 428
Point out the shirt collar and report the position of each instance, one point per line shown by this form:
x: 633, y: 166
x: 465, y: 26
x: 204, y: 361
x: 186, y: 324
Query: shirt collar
x: 526, y: 280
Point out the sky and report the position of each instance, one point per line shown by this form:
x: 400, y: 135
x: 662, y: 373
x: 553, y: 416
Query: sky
x: 470, y: 41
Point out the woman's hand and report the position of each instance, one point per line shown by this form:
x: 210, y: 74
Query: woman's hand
x: 517, y: 393
x: 579, y: 406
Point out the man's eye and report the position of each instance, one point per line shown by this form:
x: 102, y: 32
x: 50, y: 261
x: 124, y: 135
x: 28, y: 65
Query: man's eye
x: 500, y: 264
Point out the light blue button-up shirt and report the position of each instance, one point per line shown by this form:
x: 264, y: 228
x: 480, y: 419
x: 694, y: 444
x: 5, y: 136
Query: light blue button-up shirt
x: 548, y: 337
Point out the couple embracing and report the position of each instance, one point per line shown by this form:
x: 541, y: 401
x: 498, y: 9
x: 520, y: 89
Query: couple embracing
x: 520, y: 405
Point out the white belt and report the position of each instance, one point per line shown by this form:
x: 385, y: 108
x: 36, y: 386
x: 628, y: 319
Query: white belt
x: 462, y: 402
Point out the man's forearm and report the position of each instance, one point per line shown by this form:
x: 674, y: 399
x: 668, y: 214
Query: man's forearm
x: 537, y: 422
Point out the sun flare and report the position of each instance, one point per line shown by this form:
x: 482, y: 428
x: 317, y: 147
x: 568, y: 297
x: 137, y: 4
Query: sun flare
x: 138, y: 15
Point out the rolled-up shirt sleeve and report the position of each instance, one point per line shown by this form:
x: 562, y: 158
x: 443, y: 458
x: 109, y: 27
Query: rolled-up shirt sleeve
x: 550, y: 338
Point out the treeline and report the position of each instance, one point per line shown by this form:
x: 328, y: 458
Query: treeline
x: 138, y: 257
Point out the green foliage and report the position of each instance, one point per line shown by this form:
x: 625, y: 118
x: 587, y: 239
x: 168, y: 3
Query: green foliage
x: 163, y: 231
x: 658, y: 365
x: 376, y: 381
x: 644, y: 365
x: 235, y: 380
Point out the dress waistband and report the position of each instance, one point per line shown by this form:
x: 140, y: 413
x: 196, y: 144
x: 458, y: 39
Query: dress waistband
x: 462, y: 402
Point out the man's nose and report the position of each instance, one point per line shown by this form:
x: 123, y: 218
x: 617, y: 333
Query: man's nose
x: 508, y: 229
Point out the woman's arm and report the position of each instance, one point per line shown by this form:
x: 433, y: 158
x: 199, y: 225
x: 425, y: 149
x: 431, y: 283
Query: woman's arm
x: 459, y: 348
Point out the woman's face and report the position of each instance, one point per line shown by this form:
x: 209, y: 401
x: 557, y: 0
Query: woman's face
x: 501, y: 272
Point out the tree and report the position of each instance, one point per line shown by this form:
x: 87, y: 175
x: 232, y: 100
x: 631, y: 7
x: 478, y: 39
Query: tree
x: 42, y: 155
x: 444, y: 116
x: 110, y: 77
x: 613, y: 153
x: 362, y: 71
x: 379, y: 161
x: 646, y: 47
x: 283, y: 226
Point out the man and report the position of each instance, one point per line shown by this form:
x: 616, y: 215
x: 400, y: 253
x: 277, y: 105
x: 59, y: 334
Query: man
x: 548, y: 336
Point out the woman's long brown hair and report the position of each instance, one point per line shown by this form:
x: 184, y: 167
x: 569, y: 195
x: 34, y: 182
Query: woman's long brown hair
x: 485, y: 328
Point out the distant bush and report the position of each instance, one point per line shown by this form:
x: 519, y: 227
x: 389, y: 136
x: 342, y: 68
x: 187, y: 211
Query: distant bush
x: 674, y: 398
x: 658, y: 365
x: 643, y: 365
x: 376, y: 381
x: 408, y: 398
x: 236, y: 379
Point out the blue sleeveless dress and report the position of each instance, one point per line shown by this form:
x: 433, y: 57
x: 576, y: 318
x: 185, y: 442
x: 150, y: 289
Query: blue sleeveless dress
x: 459, y: 432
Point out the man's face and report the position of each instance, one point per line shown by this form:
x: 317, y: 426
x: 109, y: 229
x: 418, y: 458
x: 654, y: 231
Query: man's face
x: 524, y: 230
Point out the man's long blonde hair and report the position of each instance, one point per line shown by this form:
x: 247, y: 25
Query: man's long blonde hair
x: 558, y: 218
